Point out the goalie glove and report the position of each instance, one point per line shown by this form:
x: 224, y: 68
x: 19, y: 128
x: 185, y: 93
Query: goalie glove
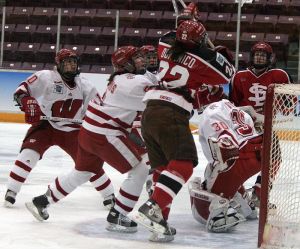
x: 224, y: 150
x: 31, y: 108
x: 206, y: 95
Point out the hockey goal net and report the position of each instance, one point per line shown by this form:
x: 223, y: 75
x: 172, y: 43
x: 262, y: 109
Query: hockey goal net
x: 279, y: 219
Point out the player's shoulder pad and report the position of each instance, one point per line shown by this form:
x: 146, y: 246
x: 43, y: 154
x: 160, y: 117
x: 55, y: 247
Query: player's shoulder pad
x: 205, y: 53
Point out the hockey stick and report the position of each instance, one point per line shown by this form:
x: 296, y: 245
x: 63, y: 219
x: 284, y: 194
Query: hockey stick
x: 58, y: 119
x: 209, y: 42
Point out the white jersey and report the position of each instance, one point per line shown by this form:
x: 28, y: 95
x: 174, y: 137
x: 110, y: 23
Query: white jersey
x: 223, y: 118
x: 121, y: 103
x: 57, y: 99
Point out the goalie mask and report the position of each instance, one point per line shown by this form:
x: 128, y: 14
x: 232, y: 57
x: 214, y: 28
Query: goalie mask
x: 150, y: 54
x: 261, y: 55
x: 67, y: 62
x: 191, y: 34
x: 128, y: 59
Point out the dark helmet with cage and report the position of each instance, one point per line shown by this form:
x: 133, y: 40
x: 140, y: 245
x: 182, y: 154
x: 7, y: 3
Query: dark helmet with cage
x: 190, y: 12
x: 67, y: 63
x: 261, y: 60
x: 191, y: 34
x: 125, y: 60
x: 150, y: 54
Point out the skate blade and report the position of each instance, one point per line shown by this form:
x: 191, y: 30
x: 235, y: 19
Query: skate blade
x: 120, y: 229
x: 33, y: 210
x: 227, y: 228
x: 160, y: 238
x: 146, y: 222
x: 7, y: 204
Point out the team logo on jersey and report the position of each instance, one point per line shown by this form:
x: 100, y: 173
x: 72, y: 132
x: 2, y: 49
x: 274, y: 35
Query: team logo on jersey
x: 259, y: 94
x: 220, y: 59
x: 58, y: 88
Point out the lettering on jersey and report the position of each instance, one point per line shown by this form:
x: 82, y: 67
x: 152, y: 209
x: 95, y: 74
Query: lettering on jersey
x: 58, y: 88
x: 32, y: 79
x: 259, y: 92
x: 185, y: 60
x: 165, y: 97
x: 202, y: 197
x: 220, y: 59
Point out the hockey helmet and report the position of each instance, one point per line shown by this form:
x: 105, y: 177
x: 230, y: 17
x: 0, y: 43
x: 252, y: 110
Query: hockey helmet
x: 191, y: 33
x: 150, y: 54
x: 67, y: 62
x: 124, y: 60
x: 263, y: 61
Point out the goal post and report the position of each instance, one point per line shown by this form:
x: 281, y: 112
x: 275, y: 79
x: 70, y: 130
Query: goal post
x: 279, y: 217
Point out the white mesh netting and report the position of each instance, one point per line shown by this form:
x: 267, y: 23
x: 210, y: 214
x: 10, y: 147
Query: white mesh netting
x: 282, y: 229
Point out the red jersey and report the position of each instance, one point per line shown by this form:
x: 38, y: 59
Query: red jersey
x: 247, y: 88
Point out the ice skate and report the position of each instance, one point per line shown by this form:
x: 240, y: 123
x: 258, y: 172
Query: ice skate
x: 10, y: 198
x: 167, y: 236
x: 118, y: 222
x: 38, y: 207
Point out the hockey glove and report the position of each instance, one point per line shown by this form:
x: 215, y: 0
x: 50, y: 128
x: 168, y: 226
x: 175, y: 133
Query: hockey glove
x: 205, y: 95
x: 32, y: 109
x: 225, y: 52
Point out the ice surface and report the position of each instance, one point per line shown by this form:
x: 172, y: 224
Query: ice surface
x: 78, y: 221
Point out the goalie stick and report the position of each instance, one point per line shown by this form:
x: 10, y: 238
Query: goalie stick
x: 58, y: 119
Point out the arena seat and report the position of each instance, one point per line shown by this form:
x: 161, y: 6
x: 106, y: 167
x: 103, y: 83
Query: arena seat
x: 264, y: 23
x: 153, y: 36
x: 128, y: 18
x: 118, y: 4
x: 226, y: 39
x: 279, y: 44
x: 141, y: 5
x: 76, y: 48
x: 212, y: 35
x: 45, y: 33
x: 10, y: 51
x: 294, y: 8
x: 23, y: 32
x: 277, y: 7
x: 66, y: 16
x: 49, y: 66
x: 149, y: 19
x: 168, y: 20
x: 247, y: 40
x: 41, y: 15
x: 101, y: 69
x: 46, y: 53
x: 104, y: 18
x: 88, y: 35
x: 16, y: 65
x: 8, y: 29
x: 162, y: 5
x: 107, y: 55
x: 255, y: 7
x: 68, y: 34
x: 83, y: 17
x: 217, y: 21
x: 96, y: 4
x: 246, y: 22
x: 33, y: 66
x: 19, y: 15
x: 107, y: 36
x: 133, y: 36
x: 208, y: 5
x: 243, y: 59
x: 27, y: 51
x: 93, y: 54
x: 229, y: 6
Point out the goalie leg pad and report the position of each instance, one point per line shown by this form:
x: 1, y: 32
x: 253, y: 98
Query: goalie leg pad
x: 222, y: 217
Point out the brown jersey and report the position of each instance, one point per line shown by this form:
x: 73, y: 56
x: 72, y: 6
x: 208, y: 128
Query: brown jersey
x: 247, y: 88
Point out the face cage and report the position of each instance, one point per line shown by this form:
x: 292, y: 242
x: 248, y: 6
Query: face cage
x: 68, y: 75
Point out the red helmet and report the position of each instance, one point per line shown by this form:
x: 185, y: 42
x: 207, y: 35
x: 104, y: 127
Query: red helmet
x: 264, y: 47
x: 122, y: 58
x: 150, y: 54
x: 63, y: 54
x: 60, y: 57
x: 191, y: 12
x: 191, y: 33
